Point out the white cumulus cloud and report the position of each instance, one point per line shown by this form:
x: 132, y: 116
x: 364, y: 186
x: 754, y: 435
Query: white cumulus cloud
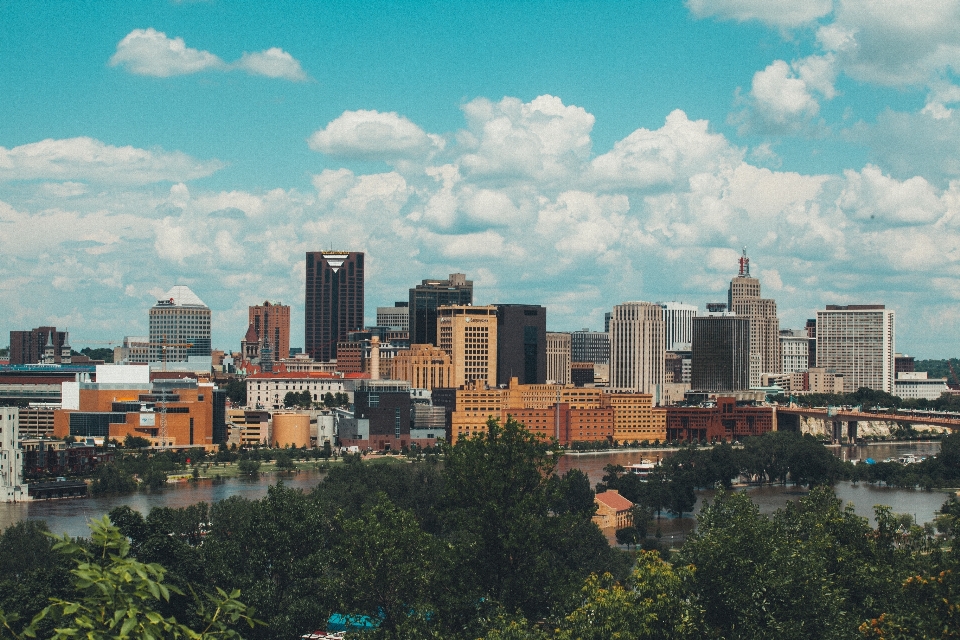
x: 88, y: 159
x: 148, y: 52
x: 374, y: 135
x: 272, y: 63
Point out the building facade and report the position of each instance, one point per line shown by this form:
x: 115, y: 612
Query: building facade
x: 333, y: 301
x: 181, y: 320
x: 11, y: 457
x: 424, y: 366
x: 590, y: 346
x: 430, y: 295
x: 720, y: 360
x: 743, y: 299
x: 794, y: 351
x: 267, y: 390
x: 637, y: 347
x: 858, y: 342
x: 469, y: 335
x: 271, y: 322
x: 30, y: 347
x: 678, y: 325
x: 396, y: 317
x: 559, y: 358
x: 521, y: 343
x: 725, y: 421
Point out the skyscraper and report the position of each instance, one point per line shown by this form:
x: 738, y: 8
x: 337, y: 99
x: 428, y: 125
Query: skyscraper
x: 637, y: 347
x: 427, y: 297
x: 721, y: 353
x: 271, y: 321
x: 180, y: 318
x: 857, y: 341
x: 469, y: 335
x: 333, y: 301
x: 590, y: 346
x: 521, y: 343
x: 744, y: 299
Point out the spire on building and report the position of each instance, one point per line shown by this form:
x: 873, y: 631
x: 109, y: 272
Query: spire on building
x: 744, y: 264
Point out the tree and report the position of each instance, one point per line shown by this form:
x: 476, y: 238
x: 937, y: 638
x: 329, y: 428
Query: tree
x: 110, y: 478
x: 653, y: 604
x: 135, y: 442
x: 115, y: 596
x: 509, y: 549
x: 249, y: 467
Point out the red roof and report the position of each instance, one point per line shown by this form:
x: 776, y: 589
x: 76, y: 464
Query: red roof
x: 302, y: 375
x: 614, y: 500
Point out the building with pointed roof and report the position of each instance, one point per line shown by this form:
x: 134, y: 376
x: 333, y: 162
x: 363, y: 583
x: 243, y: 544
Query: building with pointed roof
x: 181, y: 320
x: 743, y: 299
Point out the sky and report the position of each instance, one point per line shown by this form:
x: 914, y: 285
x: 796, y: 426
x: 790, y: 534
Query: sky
x: 571, y: 154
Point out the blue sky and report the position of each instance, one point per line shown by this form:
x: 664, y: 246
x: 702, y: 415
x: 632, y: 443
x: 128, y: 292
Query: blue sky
x: 571, y: 154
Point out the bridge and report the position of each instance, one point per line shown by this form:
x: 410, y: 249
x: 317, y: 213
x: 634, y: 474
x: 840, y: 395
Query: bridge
x: 789, y: 417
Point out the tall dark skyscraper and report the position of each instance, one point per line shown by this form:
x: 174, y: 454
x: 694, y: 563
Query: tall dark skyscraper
x: 721, y: 353
x: 333, y: 301
x: 521, y: 343
x: 430, y: 294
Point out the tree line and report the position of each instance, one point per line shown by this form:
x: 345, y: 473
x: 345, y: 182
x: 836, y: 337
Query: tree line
x: 490, y: 542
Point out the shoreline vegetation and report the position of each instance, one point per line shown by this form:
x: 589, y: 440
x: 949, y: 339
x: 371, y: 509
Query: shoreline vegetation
x: 493, y: 543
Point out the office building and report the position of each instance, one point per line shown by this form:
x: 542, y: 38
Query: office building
x: 38, y: 345
x: 383, y: 415
x: 469, y: 335
x: 590, y: 346
x: 181, y: 320
x: 720, y: 359
x: 333, y: 302
x: 794, y: 351
x: 133, y: 350
x: 915, y: 385
x: 271, y: 323
x: 521, y: 343
x: 857, y: 341
x: 678, y: 325
x: 558, y: 358
x: 724, y: 422
x: 637, y: 347
x: 743, y: 299
x: 811, y: 329
x: 424, y: 366
x: 430, y: 295
x: 397, y: 317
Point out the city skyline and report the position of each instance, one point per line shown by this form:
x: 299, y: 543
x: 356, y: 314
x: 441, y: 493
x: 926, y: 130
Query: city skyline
x: 570, y: 155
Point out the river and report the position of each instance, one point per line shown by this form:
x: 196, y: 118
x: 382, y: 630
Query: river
x: 72, y: 515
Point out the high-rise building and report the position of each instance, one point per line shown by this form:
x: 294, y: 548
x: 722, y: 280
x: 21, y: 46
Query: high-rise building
x: 271, y: 322
x: 430, y: 295
x: 590, y: 346
x: 794, y: 351
x: 333, y: 302
x: 11, y: 456
x: 721, y: 353
x: 521, y: 343
x: 857, y: 341
x: 180, y: 319
x: 744, y: 299
x: 396, y: 317
x: 469, y: 335
x: 30, y: 347
x: 678, y: 325
x: 637, y: 347
x: 558, y: 358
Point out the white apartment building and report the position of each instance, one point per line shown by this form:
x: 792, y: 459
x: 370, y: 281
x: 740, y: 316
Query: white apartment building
x: 858, y: 343
x: 637, y: 350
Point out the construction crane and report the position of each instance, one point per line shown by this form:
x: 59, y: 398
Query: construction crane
x: 163, y: 403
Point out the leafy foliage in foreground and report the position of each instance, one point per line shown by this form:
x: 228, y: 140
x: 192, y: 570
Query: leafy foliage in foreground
x: 493, y: 544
